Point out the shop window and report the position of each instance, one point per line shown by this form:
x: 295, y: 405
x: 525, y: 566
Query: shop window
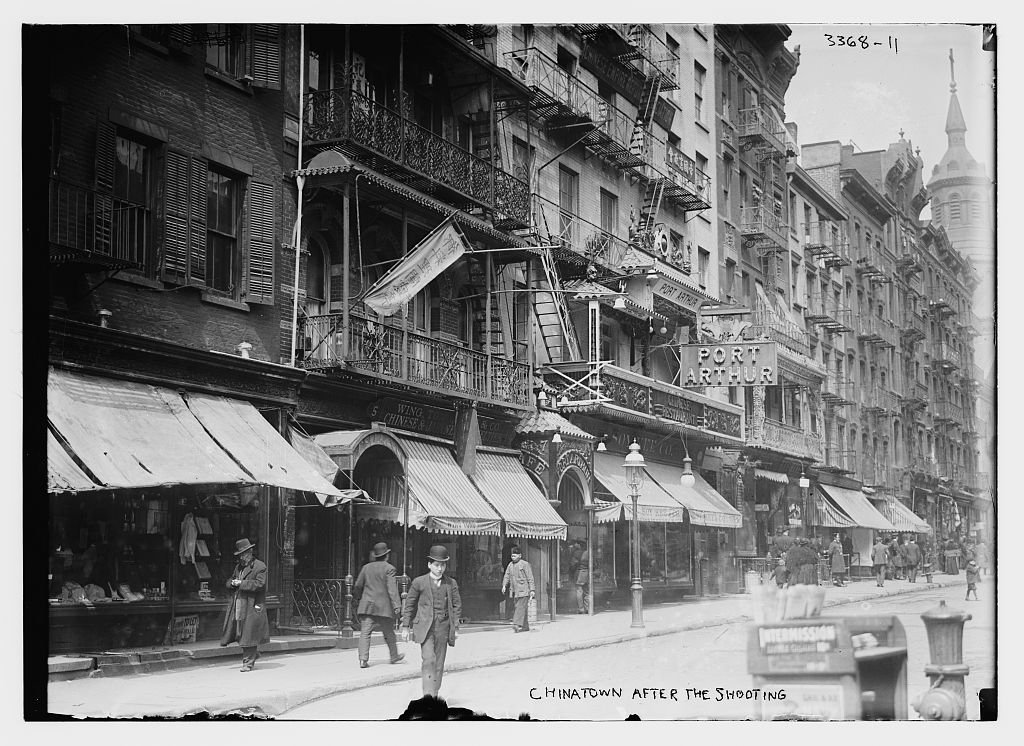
x: 677, y: 545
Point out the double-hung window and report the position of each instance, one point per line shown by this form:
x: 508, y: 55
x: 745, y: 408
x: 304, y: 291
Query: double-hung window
x: 222, y: 218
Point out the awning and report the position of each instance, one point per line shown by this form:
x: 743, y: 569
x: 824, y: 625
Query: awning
x: 823, y: 513
x: 135, y: 435
x: 446, y: 501
x: 324, y: 465
x: 771, y: 476
x: 254, y: 443
x: 705, y: 506
x: 606, y: 512
x: 856, y: 505
x: 62, y: 473
x: 655, y: 505
x: 511, y: 492
x: 902, y: 517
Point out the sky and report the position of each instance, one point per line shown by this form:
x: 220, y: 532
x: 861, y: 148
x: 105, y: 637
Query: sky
x: 866, y: 96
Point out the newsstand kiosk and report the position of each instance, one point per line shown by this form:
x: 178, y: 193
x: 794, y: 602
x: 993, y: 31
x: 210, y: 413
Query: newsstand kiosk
x: 830, y: 668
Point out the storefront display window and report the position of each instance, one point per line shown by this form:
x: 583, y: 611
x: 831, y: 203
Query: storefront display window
x: 652, y: 552
x: 208, y: 527
x: 604, y: 554
x: 483, y: 568
x: 677, y: 538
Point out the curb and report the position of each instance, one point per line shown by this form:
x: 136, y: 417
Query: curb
x: 308, y: 696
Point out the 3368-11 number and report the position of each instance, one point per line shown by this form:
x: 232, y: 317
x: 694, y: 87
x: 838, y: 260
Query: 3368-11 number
x: 837, y: 40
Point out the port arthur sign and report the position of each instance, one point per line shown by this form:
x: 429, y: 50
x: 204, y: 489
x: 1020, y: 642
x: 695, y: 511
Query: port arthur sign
x: 729, y: 364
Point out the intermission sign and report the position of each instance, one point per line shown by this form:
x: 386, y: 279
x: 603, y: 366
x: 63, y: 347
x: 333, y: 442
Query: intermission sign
x: 729, y: 364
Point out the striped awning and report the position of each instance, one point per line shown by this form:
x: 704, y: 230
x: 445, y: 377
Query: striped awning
x: 823, y: 513
x: 771, y: 476
x: 855, y: 504
x: 902, y: 517
x: 607, y: 512
x: 655, y: 505
x: 705, y: 506
x: 510, y: 491
x: 441, y: 496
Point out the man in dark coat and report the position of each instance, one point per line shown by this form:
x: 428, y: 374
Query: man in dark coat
x: 802, y: 563
x: 432, y: 610
x: 836, y: 563
x: 245, y: 619
x: 913, y: 559
x: 376, y: 589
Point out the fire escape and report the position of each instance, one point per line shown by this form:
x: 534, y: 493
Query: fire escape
x: 762, y: 136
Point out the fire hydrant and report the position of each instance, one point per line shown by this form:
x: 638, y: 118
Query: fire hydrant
x: 947, y: 698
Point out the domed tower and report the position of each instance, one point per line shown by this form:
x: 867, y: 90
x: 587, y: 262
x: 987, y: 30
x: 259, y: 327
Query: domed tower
x: 961, y: 200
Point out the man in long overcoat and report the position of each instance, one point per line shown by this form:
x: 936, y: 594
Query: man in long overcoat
x: 432, y: 610
x: 879, y: 559
x: 912, y: 553
x: 245, y: 619
x: 837, y: 564
x: 376, y: 589
x: 802, y: 563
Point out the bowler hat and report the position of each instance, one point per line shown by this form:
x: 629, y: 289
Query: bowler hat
x: 241, y: 545
x: 380, y: 549
x: 438, y: 553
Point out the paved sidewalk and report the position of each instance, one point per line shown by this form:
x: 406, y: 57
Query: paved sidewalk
x: 285, y: 680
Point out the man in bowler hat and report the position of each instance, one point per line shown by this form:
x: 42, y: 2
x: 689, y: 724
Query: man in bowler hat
x: 432, y: 610
x: 376, y: 589
x: 245, y: 619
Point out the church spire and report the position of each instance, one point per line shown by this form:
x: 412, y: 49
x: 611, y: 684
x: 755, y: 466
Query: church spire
x: 955, y: 124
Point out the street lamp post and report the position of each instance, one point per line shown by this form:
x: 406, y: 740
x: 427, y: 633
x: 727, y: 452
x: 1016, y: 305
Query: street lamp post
x: 634, y: 466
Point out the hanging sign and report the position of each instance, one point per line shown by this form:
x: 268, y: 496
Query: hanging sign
x: 729, y: 364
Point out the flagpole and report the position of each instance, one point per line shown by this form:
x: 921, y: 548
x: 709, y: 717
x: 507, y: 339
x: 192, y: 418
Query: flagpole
x: 423, y: 240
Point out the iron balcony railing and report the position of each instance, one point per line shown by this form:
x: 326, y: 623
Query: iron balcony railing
x: 766, y: 325
x: 823, y: 242
x: 914, y: 328
x: 763, y: 229
x: 636, y: 43
x: 840, y: 459
x: 822, y: 310
x: 940, y: 301
x: 925, y: 465
x: 945, y: 354
x: 319, y: 603
x: 345, y: 118
x: 565, y: 101
x: 947, y: 411
x: 871, y: 264
x: 397, y: 354
x: 84, y: 222
x: 838, y: 390
x: 778, y: 436
x: 564, y: 228
x: 683, y: 173
x: 759, y: 127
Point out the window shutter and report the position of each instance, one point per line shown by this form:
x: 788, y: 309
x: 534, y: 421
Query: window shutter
x: 262, y: 227
x: 174, y: 207
x: 179, y: 35
x: 266, y: 56
x: 103, y: 208
x: 197, y: 208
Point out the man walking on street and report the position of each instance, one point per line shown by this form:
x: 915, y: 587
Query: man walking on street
x: 432, y: 610
x: 518, y: 581
x: 376, y: 589
x: 245, y: 619
x: 913, y: 552
x: 879, y: 559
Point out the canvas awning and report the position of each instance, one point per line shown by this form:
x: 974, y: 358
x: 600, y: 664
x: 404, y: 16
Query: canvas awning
x: 130, y: 434
x: 857, y: 507
x: 771, y: 476
x: 655, y: 504
x: 441, y: 496
x: 510, y: 491
x: 902, y: 517
x: 823, y: 513
x: 705, y: 506
x: 324, y: 465
x: 62, y: 473
x: 135, y: 435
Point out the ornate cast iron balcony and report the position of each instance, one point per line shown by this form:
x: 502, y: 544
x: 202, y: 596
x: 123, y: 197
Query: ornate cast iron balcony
x: 776, y: 436
x: 758, y: 128
x: 686, y: 185
x: 389, y: 352
x: 821, y: 243
x: 85, y: 224
x: 399, y: 147
x: 572, y: 232
x: 945, y: 355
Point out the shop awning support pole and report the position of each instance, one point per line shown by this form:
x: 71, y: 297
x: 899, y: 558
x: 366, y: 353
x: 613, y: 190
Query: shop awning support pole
x: 590, y: 563
x: 405, y: 542
x: 347, y: 626
x: 553, y: 584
